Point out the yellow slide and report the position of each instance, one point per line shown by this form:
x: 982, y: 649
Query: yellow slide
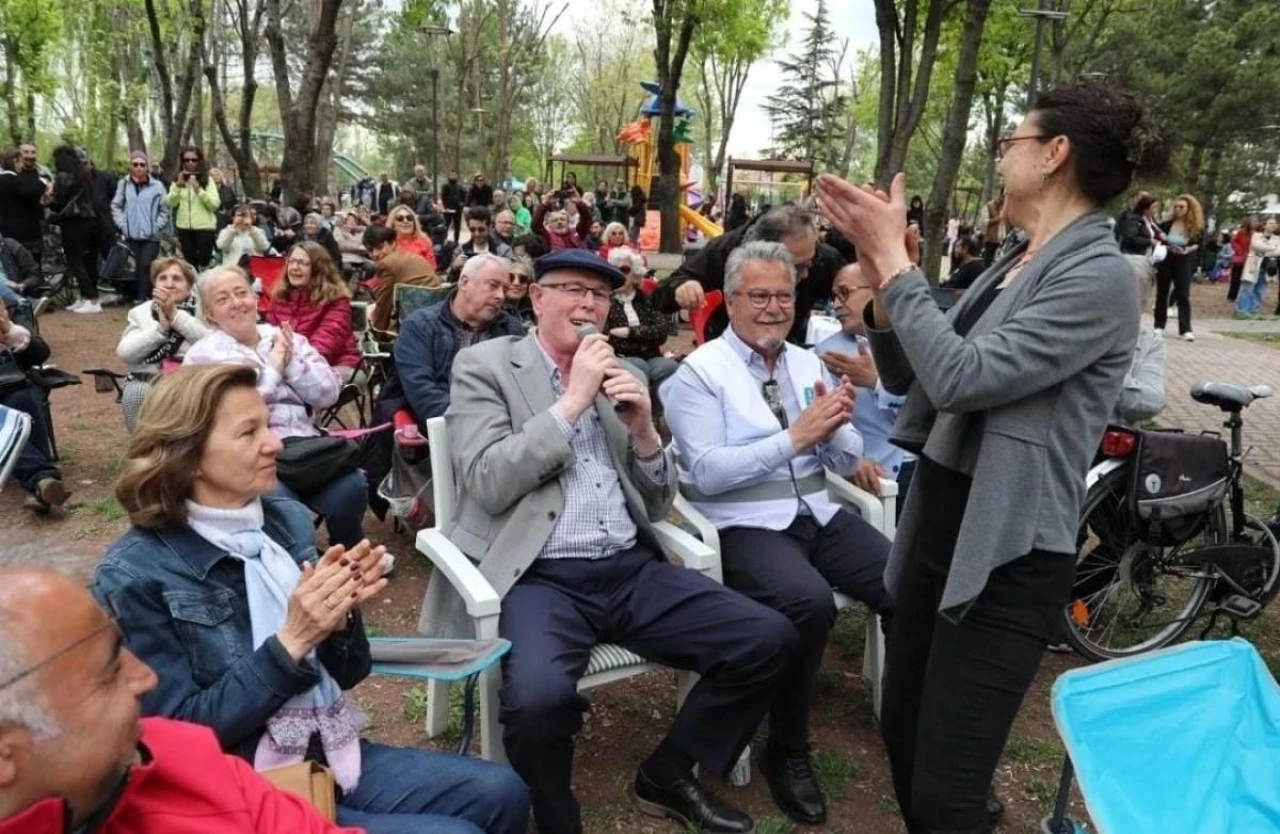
x: 697, y: 221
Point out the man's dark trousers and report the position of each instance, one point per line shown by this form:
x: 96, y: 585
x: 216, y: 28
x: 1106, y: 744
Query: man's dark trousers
x: 794, y: 571
x: 144, y: 253
x: 562, y: 607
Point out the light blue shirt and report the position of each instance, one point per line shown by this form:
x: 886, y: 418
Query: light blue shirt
x: 874, y: 412
x: 715, y: 466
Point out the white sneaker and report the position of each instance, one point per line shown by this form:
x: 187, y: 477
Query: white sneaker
x: 75, y: 305
x: 88, y: 307
x: 109, y: 299
x: 1188, y: 337
x: 42, y: 304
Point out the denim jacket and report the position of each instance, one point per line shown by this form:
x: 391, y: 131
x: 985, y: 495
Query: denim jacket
x: 182, y: 608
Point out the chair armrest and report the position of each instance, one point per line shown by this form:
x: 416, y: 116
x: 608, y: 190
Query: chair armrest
x: 434, y: 659
x: 696, y: 555
x: 107, y: 372
x: 476, y: 592
x: 858, y: 501
x: 706, y: 530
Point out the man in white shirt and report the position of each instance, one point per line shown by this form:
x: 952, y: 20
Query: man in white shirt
x: 756, y: 421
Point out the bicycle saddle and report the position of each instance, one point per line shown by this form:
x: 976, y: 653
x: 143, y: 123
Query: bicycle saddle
x: 1228, y: 396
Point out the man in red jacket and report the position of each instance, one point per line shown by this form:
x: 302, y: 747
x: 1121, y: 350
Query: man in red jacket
x: 74, y: 756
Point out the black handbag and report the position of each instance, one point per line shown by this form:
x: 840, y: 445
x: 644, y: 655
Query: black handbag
x: 307, y: 465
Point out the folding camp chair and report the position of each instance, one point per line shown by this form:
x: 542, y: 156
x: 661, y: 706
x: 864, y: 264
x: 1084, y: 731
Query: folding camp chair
x: 15, y: 429
x: 699, y: 318
x: 410, y: 298
x: 267, y: 269
x: 1184, y: 739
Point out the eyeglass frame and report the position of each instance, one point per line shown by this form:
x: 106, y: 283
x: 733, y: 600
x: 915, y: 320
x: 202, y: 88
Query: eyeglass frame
x: 21, y: 675
x: 1003, y: 143
x: 777, y: 295
x: 578, y: 292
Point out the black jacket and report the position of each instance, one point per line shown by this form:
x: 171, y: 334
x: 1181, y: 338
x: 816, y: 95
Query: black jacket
x: 20, y: 208
x: 480, y: 195
x: 646, y: 340
x: 963, y: 276
x: 1133, y: 234
x: 451, y: 195
x: 707, y: 268
x: 19, y: 266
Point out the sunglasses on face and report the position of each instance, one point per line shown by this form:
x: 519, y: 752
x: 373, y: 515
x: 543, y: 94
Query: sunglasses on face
x: 404, y: 218
x: 137, y: 165
x: 187, y: 159
x: 478, y: 230
x: 625, y: 270
x: 518, y: 277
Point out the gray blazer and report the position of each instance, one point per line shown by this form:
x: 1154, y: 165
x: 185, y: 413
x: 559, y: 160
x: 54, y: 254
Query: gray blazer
x: 511, y: 463
x: 1019, y: 403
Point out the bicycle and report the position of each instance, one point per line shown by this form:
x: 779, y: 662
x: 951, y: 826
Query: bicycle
x: 1131, y: 596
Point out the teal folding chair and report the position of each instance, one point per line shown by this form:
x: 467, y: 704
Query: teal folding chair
x: 15, y: 429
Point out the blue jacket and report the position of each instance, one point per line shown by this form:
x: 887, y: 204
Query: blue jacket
x: 182, y: 607
x: 424, y: 354
x: 140, y: 212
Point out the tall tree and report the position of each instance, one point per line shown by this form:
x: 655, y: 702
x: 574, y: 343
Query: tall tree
x: 805, y: 108
x: 246, y: 21
x: 522, y: 36
x: 298, y: 109
x: 28, y: 30
x: 674, y: 22
x: 725, y: 54
x: 904, y: 83
x: 177, y: 83
x: 937, y: 207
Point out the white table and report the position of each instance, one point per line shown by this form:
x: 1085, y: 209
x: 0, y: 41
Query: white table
x: 820, y: 328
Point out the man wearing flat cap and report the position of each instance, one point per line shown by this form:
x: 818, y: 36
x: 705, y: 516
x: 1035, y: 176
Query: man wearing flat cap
x: 561, y: 475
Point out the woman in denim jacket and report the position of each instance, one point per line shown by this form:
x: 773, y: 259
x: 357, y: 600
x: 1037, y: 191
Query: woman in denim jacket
x: 217, y: 588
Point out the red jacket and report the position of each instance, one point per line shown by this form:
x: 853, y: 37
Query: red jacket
x: 555, y: 240
x: 1240, y: 245
x: 327, y: 327
x: 186, y: 785
x: 419, y: 245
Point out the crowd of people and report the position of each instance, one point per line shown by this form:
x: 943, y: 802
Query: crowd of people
x: 572, y: 429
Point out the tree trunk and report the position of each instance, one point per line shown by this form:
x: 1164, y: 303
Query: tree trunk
x: 31, y: 113
x: 1191, y: 179
x: 175, y: 104
x: 903, y: 101
x: 331, y: 101
x: 670, y: 66
x: 298, y: 111
x: 954, y: 135
x: 240, y: 143
x: 11, y: 96
x: 1209, y: 194
x: 995, y: 125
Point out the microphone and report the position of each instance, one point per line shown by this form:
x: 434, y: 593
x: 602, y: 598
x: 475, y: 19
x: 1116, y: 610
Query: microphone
x: 588, y: 329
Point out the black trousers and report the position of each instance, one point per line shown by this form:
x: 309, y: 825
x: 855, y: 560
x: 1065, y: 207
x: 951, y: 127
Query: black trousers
x: 197, y: 246
x: 453, y: 220
x: 34, y: 462
x: 1233, y: 291
x: 952, y: 690
x: 80, y: 246
x: 144, y: 252
x: 562, y: 607
x: 793, y: 571
x: 1175, y: 272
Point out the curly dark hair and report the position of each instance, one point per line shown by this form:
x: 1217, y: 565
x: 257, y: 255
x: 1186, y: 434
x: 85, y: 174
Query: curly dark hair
x: 1111, y: 139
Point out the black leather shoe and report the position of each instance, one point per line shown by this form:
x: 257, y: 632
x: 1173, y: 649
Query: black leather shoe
x: 795, y: 789
x: 995, y: 808
x: 692, y: 805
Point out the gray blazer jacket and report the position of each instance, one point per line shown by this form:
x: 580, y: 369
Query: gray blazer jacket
x: 1019, y: 403
x: 511, y: 463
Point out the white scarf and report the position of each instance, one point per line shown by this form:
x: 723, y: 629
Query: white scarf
x: 270, y: 575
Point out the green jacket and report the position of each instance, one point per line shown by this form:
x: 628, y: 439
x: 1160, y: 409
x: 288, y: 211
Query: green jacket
x: 194, y: 209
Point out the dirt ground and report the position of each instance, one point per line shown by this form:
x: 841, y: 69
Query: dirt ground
x: 627, y: 719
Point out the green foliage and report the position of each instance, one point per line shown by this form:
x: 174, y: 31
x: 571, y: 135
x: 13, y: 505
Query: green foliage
x: 835, y: 770
x: 806, y: 111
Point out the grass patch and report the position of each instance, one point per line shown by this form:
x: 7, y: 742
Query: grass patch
x: 107, y: 508
x: 1041, y: 790
x: 1270, y: 339
x: 834, y: 771
x: 849, y: 633
x: 415, y: 711
x: 1260, y: 499
x: 374, y: 631
x: 769, y: 825
x: 1035, y: 751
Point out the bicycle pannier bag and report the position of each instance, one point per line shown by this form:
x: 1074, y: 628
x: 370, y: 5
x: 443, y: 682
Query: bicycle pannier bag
x: 1178, y: 480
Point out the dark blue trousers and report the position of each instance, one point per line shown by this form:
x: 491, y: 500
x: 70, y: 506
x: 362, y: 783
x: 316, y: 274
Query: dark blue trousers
x: 671, y: 615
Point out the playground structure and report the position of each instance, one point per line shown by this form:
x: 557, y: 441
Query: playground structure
x: 640, y: 140
x: 770, y: 167
x: 340, y: 162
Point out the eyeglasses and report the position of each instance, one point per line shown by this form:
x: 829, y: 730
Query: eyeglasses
x: 478, y: 230
x: 299, y: 262
x: 35, y: 667
x: 760, y: 298
x: 518, y: 277
x: 1004, y: 143
x: 137, y: 165
x: 404, y: 218
x: 843, y: 293
x: 578, y: 292
x: 187, y: 159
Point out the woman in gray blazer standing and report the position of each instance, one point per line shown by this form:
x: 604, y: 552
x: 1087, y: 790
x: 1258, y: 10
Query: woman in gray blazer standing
x: 1007, y: 398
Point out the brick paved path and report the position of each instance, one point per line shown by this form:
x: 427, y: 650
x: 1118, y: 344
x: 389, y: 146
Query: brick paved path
x: 1217, y: 358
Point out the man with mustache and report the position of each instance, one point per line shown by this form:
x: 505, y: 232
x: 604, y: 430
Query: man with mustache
x: 756, y: 421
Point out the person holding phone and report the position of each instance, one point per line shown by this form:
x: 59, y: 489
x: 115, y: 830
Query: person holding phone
x: 1182, y: 236
x: 194, y: 198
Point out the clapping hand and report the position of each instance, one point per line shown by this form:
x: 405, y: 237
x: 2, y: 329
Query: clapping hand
x: 860, y: 369
x: 823, y: 418
x: 320, y: 602
x: 282, y: 349
x: 875, y: 222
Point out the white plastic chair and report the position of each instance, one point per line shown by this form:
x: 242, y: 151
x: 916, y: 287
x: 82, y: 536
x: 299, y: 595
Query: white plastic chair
x: 608, y: 662
x: 15, y: 429
x: 880, y: 512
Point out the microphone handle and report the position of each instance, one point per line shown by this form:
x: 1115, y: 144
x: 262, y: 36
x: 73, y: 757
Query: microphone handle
x: 585, y: 330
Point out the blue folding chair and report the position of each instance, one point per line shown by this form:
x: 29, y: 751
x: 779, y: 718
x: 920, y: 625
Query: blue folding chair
x: 15, y: 428
x: 1186, y: 739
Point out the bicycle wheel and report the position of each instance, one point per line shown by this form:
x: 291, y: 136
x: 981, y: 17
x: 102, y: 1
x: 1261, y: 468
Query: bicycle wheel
x: 1128, y: 598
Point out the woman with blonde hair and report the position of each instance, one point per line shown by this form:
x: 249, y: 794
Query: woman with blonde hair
x: 219, y: 588
x: 158, y: 331
x: 1182, y: 233
x: 615, y: 236
x: 315, y: 301
x: 409, y: 235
